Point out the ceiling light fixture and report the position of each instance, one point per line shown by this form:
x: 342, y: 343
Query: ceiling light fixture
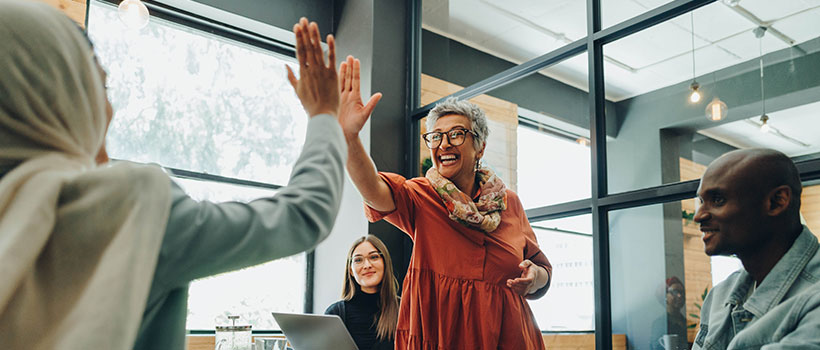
x: 694, y: 96
x: 133, y: 13
x: 716, y: 110
x: 759, y: 32
x: 764, y: 125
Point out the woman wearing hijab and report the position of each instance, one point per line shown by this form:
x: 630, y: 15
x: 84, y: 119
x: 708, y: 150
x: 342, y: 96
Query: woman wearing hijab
x: 475, y: 257
x: 98, y: 257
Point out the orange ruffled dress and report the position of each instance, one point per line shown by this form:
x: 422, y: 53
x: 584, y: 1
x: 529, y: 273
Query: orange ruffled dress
x: 455, y: 294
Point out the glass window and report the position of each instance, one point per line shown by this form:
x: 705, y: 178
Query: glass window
x: 202, y: 103
x: 569, y: 305
x: 658, y: 271
x: 552, y: 166
x: 188, y: 99
x: 717, y: 52
x: 251, y: 293
x: 466, y: 41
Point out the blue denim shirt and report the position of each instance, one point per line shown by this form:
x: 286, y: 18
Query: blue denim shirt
x: 782, y: 313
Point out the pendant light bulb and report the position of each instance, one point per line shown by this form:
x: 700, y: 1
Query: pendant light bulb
x: 694, y: 96
x: 716, y: 110
x: 764, y: 124
x: 133, y: 13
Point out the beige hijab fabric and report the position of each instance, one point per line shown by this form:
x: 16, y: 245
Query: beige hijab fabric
x: 78, y: 243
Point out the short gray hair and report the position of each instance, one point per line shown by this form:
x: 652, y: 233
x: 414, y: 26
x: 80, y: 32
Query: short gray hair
x: 477, y: 117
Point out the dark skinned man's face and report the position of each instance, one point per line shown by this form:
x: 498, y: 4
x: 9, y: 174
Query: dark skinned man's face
x: 731, y: 209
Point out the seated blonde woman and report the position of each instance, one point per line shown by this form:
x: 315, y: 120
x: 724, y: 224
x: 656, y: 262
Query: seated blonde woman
x: 369, y: 306
x: 100, y: 257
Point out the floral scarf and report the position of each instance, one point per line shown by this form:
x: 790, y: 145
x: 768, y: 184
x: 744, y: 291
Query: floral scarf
x: 485, y: 214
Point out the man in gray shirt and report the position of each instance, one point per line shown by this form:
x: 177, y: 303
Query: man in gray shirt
x: 750, y: 207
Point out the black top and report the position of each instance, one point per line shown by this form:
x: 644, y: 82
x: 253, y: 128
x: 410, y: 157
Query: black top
x: 359, y: 315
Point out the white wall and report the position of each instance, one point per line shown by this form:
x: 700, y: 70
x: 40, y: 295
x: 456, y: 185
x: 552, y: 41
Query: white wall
x: 352, y: 38
x: 331, y: 254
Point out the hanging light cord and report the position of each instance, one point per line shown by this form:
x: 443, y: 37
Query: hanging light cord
x: 692, y: 22
x: 762, y: 95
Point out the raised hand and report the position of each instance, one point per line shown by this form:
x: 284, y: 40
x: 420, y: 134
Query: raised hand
x: 317, y: 86
x: 352, y: 112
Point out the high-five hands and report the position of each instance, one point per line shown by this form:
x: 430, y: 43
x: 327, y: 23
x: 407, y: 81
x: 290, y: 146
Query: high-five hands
x: 533, y: 277
x: 352, y: 112
x: 317, y: 86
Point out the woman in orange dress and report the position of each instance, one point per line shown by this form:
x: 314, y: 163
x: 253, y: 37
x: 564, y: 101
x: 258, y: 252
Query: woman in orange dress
x: 475, y: 257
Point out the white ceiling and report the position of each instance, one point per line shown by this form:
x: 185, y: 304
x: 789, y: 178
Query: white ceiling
x: 520, y: 30
x: 800, y: 138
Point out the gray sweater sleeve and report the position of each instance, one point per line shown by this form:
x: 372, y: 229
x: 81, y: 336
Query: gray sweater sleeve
x: 204, y: 238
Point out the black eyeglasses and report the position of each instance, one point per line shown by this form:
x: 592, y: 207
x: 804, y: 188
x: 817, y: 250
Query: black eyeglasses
x: 359, y: 259
x: 455, y: 137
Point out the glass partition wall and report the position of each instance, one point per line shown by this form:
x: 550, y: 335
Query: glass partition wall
x: 621, y: 105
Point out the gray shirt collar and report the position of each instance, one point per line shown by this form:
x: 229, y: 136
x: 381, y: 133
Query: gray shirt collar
x: 779, y: 280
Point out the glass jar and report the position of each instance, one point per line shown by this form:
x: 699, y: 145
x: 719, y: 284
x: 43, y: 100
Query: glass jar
x: 233, y: 337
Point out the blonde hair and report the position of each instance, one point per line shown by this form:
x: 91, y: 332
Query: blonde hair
x: 388, y: 315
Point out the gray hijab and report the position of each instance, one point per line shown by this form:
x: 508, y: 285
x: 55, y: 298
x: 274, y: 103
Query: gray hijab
x: 78, y: 243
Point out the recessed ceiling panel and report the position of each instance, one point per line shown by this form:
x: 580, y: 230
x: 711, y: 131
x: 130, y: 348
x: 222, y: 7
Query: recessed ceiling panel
x: 715, y: 22
x: 646, y: 47
x: 617, y: 11
x: 792, y: 131
x: 801, y: 27
x: 569, y: 20
x: 769, y: 10
x: 535, y: 8
x: 746, y: 46
x: 530, y: 43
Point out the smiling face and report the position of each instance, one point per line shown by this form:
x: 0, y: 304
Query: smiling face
x: 367, y: 267
x: 456, y: 163
x: 731, y: 210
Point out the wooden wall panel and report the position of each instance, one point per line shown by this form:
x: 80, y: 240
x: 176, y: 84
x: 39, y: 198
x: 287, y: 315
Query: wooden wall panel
x: 207, y: 342
x: 697, y: 266
x: 810, y: 208
x: 580, y: 341
x: 74, y: 9
x: 552, y: 341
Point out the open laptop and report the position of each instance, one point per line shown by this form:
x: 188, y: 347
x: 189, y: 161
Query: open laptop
x: 315, y: 332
